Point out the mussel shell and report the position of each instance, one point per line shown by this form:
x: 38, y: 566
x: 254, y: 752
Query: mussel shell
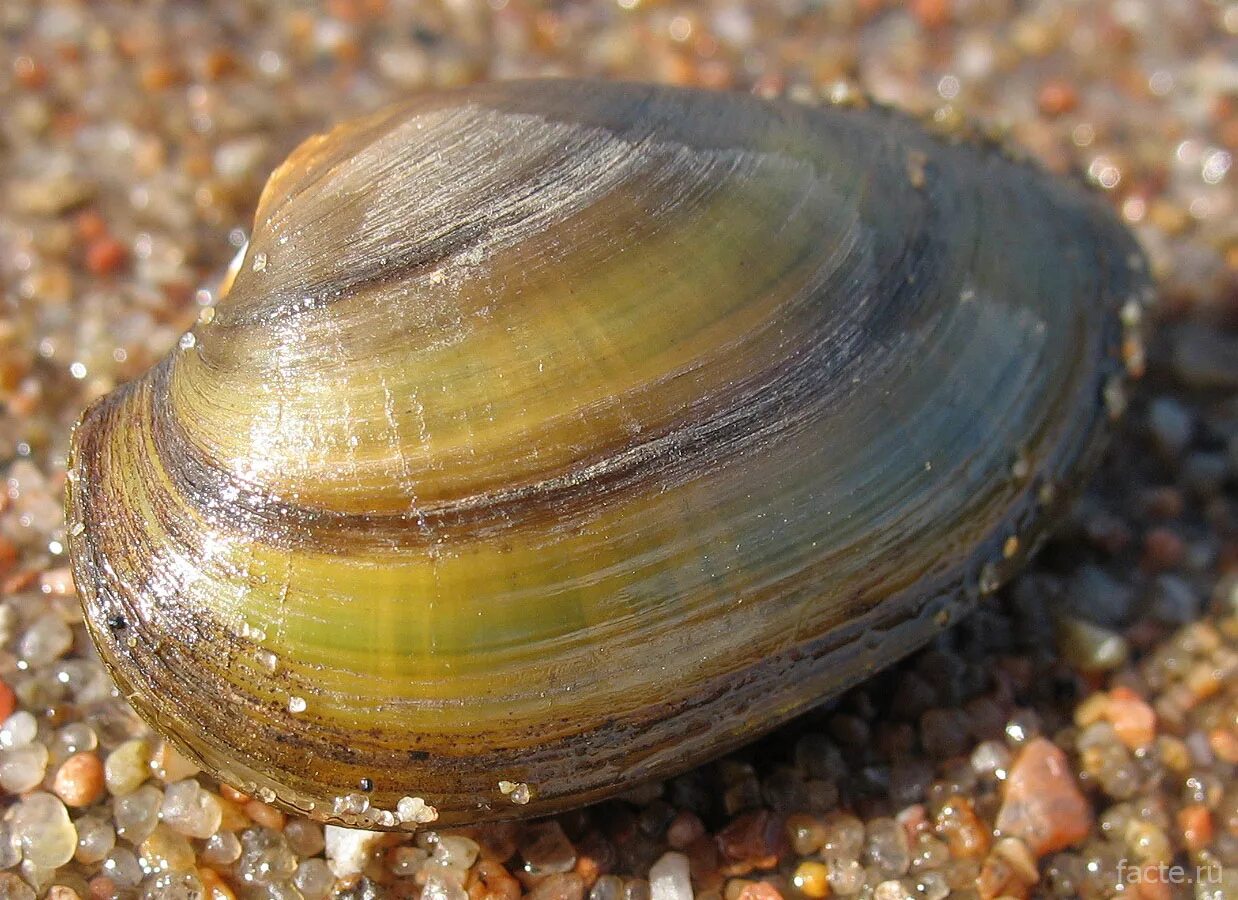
x: 566, y: 434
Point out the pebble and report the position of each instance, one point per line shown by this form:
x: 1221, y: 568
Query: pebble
x: 886, y: 846
x: 304, y: 837
x: 546, y: 849
x: 812, y: 879
x: 47, y: 639
x: 13, y: 888
x: 222, y: 848
x: 18, y: 730
x: 22, y: 769
x: 1133, y: 719
x: 48, y: 838
x: 168, y: 764
x: 349, y: 849
x: 1090, y: 647
x: 164, y: 850
x: 95, y: 839
x: 559, y: 886
x: 127, y: 767
x: 137, y: 144
x: 193, y: 811
x: 266, y: 858
x: 1173, y: 601
x: 136, y: 814
x: 313, y: 878
x: 1041, y: 801
x: 669, y: 878
x: 79, y: 780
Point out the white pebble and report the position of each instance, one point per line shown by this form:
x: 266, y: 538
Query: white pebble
x: 669, y: 879
x: 416, y: 810
x: 349, y: 849
x: 18, y: 730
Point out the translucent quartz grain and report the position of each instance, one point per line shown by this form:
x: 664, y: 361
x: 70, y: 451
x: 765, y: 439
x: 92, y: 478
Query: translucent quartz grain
x: 455, y: 851
x: 221, y: 849
x: 48, y: 837
x: 608, y: 887
x: 48, y: 638
x: 304, y: 837
x: 191, y: 810
x: 23, y: 768
x: 175, y: 886
x: 265, y: 857
x: 13, y: 888
x: 313, y: 879
x: 405, y: 862
x: 844, y: 837
x: 137, y: 814
x: 443, y: 884
x: 886, y: 847
x: 10, y: 846
x: 95, y: 839
x: 669, y: 879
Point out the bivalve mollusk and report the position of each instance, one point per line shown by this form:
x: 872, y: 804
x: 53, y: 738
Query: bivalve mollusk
x: 556, y: 436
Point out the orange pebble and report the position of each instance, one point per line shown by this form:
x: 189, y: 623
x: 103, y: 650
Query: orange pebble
x: 230, y: 793
x: 1057, y: 97
x: 8, y: 702
x: 1151, y: 885
x: 216, y: 887
x: 90, y: 225
x: 28, y: 73
x: 1132, y: 718
x: 1224, y: 743
x: 759, y: 890
x: 959, y: 826
x: 1042, y: 803
x: 105, y: 256
x: 79, y: 780
x: 264, y: 815
x: 1196, y: 824
x: 932, y: 14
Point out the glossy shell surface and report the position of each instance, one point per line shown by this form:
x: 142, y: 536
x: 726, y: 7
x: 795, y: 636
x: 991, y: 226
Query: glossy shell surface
x: 556, y: 436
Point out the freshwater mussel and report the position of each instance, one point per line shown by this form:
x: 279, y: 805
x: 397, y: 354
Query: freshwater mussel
x: 556, y: 436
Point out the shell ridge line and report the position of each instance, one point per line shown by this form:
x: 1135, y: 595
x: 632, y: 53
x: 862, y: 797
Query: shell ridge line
x: 483, y: 228
x: 751, y: 420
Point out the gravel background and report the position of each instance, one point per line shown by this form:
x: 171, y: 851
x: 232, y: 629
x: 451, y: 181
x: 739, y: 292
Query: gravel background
x: 1076, y: 737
